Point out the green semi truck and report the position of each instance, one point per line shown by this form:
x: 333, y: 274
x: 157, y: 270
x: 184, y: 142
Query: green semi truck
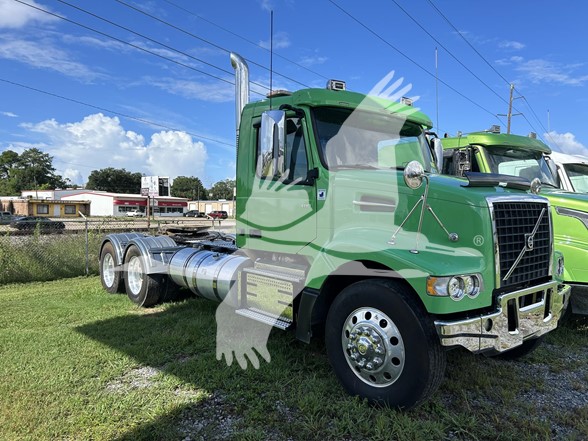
x: 525, y: 157
x: 345, y: 227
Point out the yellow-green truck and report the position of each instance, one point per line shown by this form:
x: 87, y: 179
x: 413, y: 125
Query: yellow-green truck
x: 497, y: 155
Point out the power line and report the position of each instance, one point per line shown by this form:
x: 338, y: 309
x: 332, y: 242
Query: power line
x: 466, y: 40
x: 203, y: 40
x: 154, y: 41
x: 104, y: 109
x: 125, y: 42
x: 379, y: 37
x: 494, y: 69
x: 244, y: 38
x: 449, y: 52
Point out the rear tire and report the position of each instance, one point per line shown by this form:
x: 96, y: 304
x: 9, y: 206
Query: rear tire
x: 142, y: 289
x: 382, y: 345
x: 110, y: 274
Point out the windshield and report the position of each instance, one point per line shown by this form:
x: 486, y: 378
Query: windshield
x: 361, y: 139
x: 518, y: 162
x: 578, y: 174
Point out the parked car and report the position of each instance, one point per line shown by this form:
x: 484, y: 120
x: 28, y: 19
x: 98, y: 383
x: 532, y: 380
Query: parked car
x: 32, y: 222
x: 193, y: 213
x: 218, y: 214
x: 135, y: 213
x: 5, y: 217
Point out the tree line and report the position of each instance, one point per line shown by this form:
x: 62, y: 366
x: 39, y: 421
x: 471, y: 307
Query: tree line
x: 33, y: 170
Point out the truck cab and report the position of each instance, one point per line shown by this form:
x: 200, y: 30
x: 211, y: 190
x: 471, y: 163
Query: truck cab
x: 525, y: 158
x: 571, y: 171
x: 345, y: 228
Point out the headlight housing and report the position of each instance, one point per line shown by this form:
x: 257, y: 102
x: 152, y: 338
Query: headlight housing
x: 455, y: 287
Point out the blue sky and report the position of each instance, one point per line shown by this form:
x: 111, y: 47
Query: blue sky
x: 184, y: 123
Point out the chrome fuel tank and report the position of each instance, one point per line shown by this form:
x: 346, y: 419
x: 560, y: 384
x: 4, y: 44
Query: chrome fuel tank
x: 208, y: 274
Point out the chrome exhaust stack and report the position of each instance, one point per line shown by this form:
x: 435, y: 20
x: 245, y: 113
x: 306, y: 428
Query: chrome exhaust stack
x: 241, y: 86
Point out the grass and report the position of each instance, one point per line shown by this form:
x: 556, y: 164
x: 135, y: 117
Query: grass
x: 78, y: 364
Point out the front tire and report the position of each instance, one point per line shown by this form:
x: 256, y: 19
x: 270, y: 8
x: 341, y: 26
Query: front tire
x: 382, y: 345
x: 110, y: 275
x: 142, y: 289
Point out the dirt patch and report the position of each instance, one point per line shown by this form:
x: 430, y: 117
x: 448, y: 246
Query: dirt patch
x: 138, y: 378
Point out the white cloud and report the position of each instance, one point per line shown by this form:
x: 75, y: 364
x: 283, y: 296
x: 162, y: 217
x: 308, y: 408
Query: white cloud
x: 545, y: 71
x: 266, y: 5
x: 312, y: 60
x: 99, y: 141
x: 213, y: 92
x: 45, y: 55
x: 17, y: 15
x: 9, y: 114
x: 565, y: 143
x: 511, y: 45
x: 281, y: 41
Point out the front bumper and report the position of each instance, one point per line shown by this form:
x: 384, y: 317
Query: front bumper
x: 521, y: 315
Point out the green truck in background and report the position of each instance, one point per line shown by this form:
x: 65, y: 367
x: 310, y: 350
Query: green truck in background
x: 525, y: 157
x: 344, y: 226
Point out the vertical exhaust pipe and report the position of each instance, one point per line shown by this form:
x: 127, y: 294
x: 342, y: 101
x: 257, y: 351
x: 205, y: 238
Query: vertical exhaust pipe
x: 241, y: 87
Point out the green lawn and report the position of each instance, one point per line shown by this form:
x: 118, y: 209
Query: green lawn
x: 79, y: 364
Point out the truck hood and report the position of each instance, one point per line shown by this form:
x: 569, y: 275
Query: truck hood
x: 566, y: 199
x: 442, y: 187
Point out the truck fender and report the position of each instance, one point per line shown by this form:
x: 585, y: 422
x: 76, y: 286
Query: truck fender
x: 119, y: 242
x: 153, y: 263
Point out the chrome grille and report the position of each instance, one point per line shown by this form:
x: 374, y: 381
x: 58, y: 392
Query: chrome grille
x: 515, y: 223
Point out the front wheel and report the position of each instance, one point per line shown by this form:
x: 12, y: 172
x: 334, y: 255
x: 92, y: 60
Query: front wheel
x: 142, y: 288
x: 382, y: 345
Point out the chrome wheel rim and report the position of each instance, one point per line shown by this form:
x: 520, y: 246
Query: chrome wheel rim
x: 135, y: 275
x: 108, y: 270
x: 373, y: 347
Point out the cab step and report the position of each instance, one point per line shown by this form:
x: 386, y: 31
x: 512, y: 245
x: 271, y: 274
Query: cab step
x: 268, y: 318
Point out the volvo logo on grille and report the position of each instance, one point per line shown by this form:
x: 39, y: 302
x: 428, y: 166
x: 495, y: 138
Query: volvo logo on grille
x: 529, y: 241
x: 529, y: 237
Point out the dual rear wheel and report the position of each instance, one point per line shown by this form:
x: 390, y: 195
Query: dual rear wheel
x: 133, y: 277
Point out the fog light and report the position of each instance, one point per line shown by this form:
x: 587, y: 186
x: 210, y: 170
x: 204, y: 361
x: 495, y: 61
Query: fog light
x: 471, y: 286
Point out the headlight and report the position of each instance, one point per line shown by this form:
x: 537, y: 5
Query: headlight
x: 456, y: 287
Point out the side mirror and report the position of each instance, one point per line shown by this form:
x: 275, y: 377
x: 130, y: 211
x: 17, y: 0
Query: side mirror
x: 553, y: 169
x: 438, y: 149
x: 273, y: 142
x: 414, y: 174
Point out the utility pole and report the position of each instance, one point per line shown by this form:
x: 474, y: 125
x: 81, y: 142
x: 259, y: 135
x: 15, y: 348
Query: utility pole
x: 509, y: 115
x: 509, y: 109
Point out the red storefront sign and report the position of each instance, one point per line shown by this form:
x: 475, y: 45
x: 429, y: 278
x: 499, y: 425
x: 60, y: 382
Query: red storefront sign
x: 172, y: 204
x: 133, y: 202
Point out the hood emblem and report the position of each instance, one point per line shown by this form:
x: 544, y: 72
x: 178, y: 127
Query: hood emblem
x: 529, y: 241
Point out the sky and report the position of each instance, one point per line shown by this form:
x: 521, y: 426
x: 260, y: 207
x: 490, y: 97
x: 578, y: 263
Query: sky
x: 148, y: 86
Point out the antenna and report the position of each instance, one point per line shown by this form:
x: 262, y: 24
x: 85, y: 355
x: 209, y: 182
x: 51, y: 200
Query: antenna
x: 436, y: 89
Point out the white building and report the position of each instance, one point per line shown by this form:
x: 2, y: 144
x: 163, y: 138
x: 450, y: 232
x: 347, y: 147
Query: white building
x: 118, y: 204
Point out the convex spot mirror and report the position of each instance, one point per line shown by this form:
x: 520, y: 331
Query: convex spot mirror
x: 414, y: 174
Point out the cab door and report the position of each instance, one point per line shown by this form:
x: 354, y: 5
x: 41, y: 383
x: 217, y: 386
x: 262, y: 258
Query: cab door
x: 279, y: 214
